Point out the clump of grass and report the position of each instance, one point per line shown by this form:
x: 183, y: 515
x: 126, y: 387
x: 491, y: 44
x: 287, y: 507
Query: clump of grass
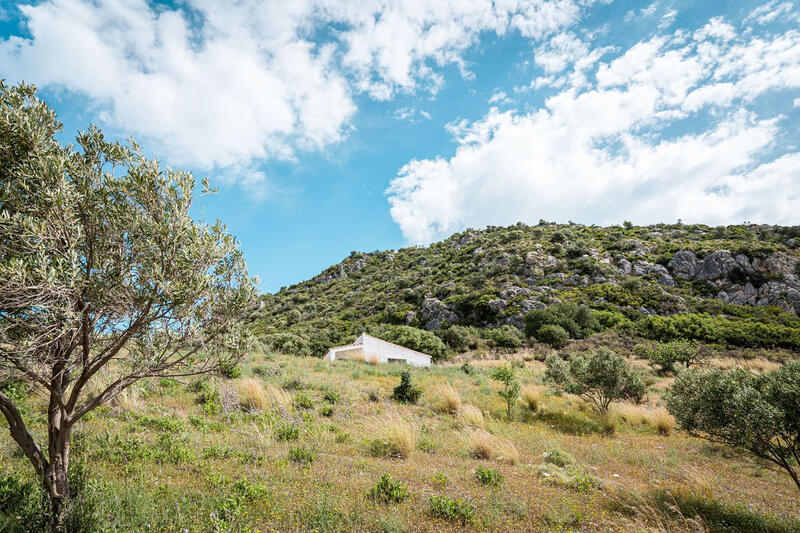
x: 331, y: 396
x: 637, y: 415
x: 302, y: 455
x: 326, y: 411
x: 448, y: 399
x: 473, y: 416
x: 488, y: 476
x: 278, y: 398
x: 532, y: 398
x: 388, y: 490
x: 394, y: 436
x: 452, y: 510
x: 663, y: 422
x: 128, y: 401
x: 286, y: 431
x: 252, y: 396
x: 484, y: 445
x: 570, y: 476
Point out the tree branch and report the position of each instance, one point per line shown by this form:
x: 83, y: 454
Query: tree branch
x: 21, y: 436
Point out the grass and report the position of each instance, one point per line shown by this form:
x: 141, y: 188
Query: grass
x: 167, y: 462
x: 448, y: 400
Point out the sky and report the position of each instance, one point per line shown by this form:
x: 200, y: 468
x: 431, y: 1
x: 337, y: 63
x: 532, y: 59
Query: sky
x: 332, y: 126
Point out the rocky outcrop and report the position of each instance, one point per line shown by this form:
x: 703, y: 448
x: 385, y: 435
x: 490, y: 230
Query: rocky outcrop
x: 436, y: 315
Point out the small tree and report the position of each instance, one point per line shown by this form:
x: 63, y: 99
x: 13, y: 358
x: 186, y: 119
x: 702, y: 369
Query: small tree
x: 667, y: 355
x: 102, y: 269
x: 406, y: 392
x: 510, y: 391
x: 759, y: 414
x: 601, y: 377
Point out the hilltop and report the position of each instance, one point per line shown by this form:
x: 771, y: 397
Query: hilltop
x: 735, y: 285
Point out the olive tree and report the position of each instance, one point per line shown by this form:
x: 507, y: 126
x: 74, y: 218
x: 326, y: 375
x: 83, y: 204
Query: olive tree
x: 600, y: 377
x: 102, y: 268
x: 757, y: 414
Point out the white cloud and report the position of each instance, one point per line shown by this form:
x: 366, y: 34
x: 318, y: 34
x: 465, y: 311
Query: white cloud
x: 770, y: 11
x: 604, y: 153
x: 411, y: 114
x: 220, y: 84
x: 500, y: 97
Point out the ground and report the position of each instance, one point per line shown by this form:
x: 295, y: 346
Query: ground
x: 225, y: 456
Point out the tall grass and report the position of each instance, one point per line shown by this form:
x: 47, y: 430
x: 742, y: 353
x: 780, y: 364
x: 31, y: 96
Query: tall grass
x: 392, y: 435
x: 484, y: 445
x: 448, y: 399
x: 252, y: 396
x: 473, y: 416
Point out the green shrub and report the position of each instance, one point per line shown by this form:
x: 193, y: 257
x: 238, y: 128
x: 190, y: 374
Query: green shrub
x: 467, y: 368
x: 299, y: 454
x: 577, y: 320
x: 326, y: 411
x: 303, y: 400
x: 460, y: 338
x: 406, y: 392
x: 286, y: 431
x: 488, y: 476
x: 506, y: 336
x: 289, y: 344
x: 681, y: 351
x: 388, y: 490
x: 601, y: 377
x: 553, y: 334
x: 558, y: 457
x: 332, y: 396
x: 452, y: 510
x: 230, y: 370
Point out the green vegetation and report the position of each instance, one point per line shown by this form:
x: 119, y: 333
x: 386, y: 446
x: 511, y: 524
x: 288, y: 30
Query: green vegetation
x: 489, y: 476
x: 667, y: 355
x: 452, y: 510
x: 510, y: 391
x: 601, y: 377
x: 406, y: 391
x: 388, y: 490
x: 759, y: 414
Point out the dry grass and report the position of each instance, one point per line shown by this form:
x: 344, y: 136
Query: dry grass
x: 640, y: 415
x: 532, y: 398
x: 396, y: 432
x: 647, y: 518
x: 484, y: 445
x: 278, y: 398
x: 473, y: 416
x: 448, y: 399
x: 128, y: 400
x: 252, y: 396
x: 758, y: 364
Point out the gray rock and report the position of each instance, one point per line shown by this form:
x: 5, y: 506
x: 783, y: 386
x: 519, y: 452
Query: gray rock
x: 497, y: 305
x: 436, y: 314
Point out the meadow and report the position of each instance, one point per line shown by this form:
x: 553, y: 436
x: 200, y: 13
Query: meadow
x: 297, y: 444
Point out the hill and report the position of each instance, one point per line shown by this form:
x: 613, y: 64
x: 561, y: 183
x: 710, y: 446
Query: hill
x: 735, y: 285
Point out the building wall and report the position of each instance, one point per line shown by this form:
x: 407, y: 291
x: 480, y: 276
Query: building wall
x: 384, y: 352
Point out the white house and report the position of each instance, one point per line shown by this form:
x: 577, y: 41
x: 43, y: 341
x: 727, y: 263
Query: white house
x: 371, y: 349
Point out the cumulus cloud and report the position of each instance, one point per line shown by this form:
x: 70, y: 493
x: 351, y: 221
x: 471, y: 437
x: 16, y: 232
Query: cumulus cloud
x: 606, y: 152
x: 216, y: 84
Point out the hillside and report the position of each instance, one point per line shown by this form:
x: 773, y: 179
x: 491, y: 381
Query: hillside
x: 735, y: 285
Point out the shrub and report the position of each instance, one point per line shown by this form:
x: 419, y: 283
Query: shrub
x: 406, y: 392
x: 285, y: 431
x: 553, y: 334
x: 488, y: 476
x: 326, y: 411
x: 449, y: 400
x: 289, y: 344
x: 510, y: 391
x: 332, y: 396
x: 681, y: 351
x: 601, y: 378
x: 460, y: 338
x: 388, y: 490
x: 759, y: 414
x: 303, y: 401
x: 229, y: 369
x: 467, y: 369
x: 558, y: 457
x: 577, y: 320
x: 506, y: 336
x: 299, y: 454
x: 452, y: 510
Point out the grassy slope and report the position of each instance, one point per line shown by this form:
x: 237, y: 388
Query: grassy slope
x: 165, y: 465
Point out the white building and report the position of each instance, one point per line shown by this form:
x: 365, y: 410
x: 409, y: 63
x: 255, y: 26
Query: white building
x: 371, y: 349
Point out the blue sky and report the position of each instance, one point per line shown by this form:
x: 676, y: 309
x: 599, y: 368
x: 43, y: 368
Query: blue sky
x: 332, y: 126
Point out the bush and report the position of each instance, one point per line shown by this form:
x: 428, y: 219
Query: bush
x: 667, y: 355
x: 460, y: 338
x: 554, y: 335
x: 577, y: 320
x: 759, y: 414
x: 230, y: 370
x: 388, y: 490
x: 451, y: 510
x: 326, y: 411
x: 289, y: 344
x: 601, y: 378
x: 303, y: 401
x: 558, y: 457
x: 488, y: 476
x: 406, y: 392
x: 506, y: 336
